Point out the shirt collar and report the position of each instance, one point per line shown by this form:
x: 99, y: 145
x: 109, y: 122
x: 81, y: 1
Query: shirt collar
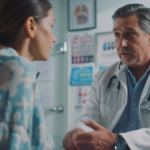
x: 128, y: 68
x: 143, y: 76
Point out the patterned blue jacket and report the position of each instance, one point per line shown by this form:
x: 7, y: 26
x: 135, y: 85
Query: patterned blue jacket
x: 22, y: 124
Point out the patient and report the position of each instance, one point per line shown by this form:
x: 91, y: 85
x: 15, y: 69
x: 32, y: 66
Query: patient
x: 25, y: 35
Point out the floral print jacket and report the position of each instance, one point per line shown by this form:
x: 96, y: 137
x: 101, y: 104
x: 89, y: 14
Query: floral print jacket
x: 22, y: 124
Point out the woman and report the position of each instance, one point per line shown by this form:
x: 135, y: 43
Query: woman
x: 25, y: 35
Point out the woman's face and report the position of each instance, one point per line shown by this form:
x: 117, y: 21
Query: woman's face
x: 41, y: 44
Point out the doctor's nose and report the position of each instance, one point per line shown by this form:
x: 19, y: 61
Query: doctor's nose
x: 121, y: 43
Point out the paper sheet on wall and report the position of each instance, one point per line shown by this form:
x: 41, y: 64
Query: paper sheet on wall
x: 46, y: 69
x: 81, y: 99
x: 47, y: 97
x: 82, y: 47
x: 106, y: 51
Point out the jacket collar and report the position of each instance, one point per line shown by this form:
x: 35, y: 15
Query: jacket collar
x: 7, y: 51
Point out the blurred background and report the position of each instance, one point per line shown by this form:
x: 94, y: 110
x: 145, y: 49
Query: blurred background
x: 85, y: 45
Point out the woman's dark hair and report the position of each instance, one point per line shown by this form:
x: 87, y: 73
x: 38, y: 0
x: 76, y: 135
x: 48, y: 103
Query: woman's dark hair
x: 13, y: 14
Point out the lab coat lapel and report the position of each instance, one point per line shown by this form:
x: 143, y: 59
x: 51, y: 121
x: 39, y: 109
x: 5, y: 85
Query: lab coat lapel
x: 121, y: 75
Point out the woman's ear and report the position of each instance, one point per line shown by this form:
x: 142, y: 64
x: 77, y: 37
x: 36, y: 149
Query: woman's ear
x: 149, y: 39
x: 30, y: 27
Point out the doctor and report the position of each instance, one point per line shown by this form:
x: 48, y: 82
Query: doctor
x: 118, y: 116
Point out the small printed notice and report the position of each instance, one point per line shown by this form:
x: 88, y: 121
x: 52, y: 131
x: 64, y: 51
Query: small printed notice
x: 106, y: 51
x: 81, y: 98
x: 82, y: 47
x: 81, y: 76
x: 46, y: 69
x: 47, y: 97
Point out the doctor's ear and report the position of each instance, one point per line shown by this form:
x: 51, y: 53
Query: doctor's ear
x: 30, y: 27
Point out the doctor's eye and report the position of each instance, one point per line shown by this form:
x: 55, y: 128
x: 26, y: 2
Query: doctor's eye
x: 117, y: 35
x: 130, y: 34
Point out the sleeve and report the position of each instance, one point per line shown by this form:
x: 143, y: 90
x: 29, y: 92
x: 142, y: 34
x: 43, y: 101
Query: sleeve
x: 138, y: 140
x: 92, y: 110
x: 17, y: 89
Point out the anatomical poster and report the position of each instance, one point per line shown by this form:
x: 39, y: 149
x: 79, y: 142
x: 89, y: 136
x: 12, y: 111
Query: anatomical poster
x: 82, y: 14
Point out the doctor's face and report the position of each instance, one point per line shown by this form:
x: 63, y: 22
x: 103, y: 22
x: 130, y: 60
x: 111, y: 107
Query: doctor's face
x: 132, y: 44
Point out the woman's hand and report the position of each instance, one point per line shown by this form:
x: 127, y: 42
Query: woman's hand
x: 69, y: 141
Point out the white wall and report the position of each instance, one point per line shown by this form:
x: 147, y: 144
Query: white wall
x: 105, y: 9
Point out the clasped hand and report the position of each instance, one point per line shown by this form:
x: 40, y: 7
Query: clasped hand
x: 99, y: 139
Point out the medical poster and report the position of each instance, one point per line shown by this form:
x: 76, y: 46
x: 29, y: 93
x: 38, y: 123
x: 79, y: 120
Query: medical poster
x: 46, y: 69
x: 81, y: 76
x: 81, y: 99
x: 82, y: 14
x: 106, y: 51
x: 82, y: 47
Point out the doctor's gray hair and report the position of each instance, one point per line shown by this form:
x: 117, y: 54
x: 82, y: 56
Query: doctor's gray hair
x: 142, y: 12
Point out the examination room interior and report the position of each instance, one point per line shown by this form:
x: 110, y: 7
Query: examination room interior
x: 63, y: 95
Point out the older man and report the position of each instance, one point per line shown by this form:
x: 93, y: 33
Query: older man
x: 118, y: 110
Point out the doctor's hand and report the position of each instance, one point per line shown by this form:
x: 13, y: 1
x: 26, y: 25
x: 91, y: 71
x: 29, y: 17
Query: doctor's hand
x: 70, y: 139
x: 100, y: 139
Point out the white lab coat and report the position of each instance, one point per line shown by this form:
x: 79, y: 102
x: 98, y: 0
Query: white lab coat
x: 99, y: 102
